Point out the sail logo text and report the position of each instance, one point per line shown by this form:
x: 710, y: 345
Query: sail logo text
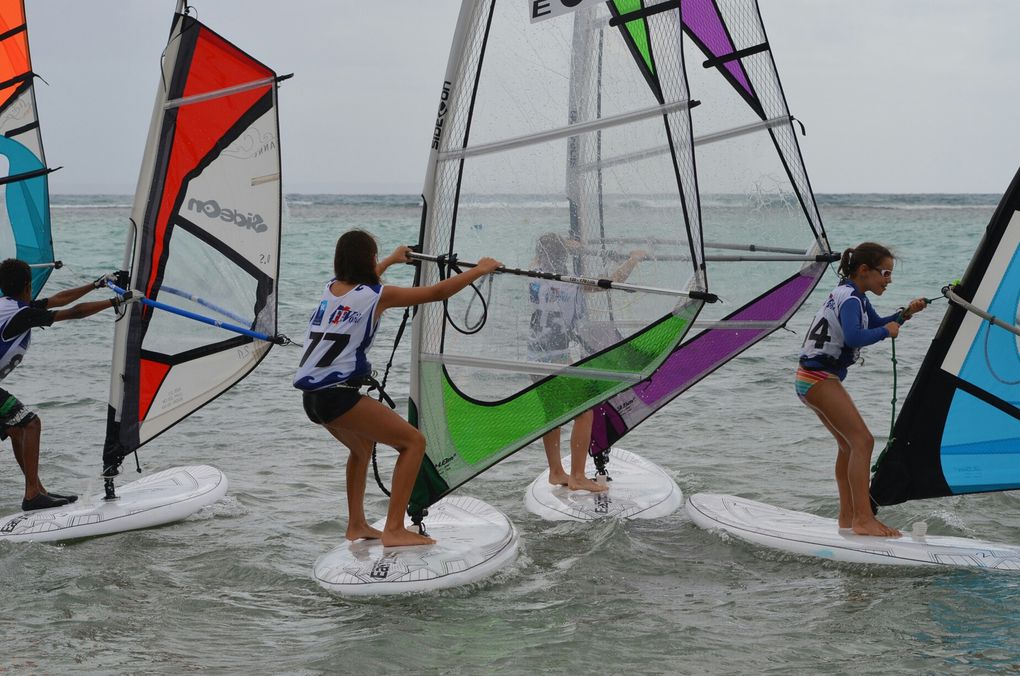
x: 547, y: 9
x: 212, y: 209
x: 437, y: 134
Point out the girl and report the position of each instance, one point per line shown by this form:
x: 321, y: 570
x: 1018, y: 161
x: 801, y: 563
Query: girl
x: 335, y: 366
x: 845, y: 323
x: 559, y: 311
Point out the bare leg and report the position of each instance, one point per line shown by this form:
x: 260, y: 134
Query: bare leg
x: 832, y: 402
x: 580, y: 439
x: 373, y: 421
x: 357, y: 471
x: 846, y: 502
x: 25, y: 440
x: 551, y: 441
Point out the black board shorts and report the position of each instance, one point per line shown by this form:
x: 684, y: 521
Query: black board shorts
x: 13, y: 413
x: 325, y: 406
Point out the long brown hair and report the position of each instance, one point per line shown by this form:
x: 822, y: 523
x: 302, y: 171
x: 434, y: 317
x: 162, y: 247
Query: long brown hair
x: 354, y: 260
x: 865, y: 253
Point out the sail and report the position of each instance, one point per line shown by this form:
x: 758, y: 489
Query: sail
x: 767, y: 246
x: 24, y: 190
x: 959, y: 428
x: 205, y: 238
x: 529, y: 112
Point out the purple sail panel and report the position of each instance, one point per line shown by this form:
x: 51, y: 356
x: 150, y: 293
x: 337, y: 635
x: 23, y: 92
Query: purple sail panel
x: 707, y: 350
x: 695, y: 359
x: 702, y: 19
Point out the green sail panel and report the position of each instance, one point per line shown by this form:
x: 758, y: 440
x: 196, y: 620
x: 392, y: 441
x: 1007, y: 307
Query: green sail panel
x: 637, y: 31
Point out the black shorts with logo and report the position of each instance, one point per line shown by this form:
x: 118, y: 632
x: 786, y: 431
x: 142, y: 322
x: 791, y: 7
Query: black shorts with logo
x: 13, y: 413
x: 324, y: 406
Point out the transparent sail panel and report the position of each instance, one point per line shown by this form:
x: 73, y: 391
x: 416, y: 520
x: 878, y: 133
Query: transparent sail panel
x: 185, y: 285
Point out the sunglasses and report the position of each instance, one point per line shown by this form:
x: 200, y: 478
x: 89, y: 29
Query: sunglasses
x: 886, y: 274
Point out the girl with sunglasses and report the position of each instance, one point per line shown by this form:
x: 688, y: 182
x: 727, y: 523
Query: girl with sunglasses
x: 844, y: 324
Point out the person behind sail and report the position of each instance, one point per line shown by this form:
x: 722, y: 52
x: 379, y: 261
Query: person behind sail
x: 558, y: 310
x: 19, y: 314
x: 845, y: 323
x: 335, y: 365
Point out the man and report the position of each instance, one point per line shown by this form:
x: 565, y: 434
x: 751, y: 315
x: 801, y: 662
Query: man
x: 19, y: 314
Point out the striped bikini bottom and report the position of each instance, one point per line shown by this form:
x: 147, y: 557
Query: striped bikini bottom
x: 805, y: 379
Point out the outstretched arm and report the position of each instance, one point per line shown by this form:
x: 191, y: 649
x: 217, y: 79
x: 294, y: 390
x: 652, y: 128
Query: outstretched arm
x: 70, y: 295
x: 66, y: 296
x: 82, y: 310
x: 399, y: 255
x: 398, y: 296
x: 623, y: 272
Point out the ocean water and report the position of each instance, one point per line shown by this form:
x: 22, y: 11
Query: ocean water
x: 230, y: 590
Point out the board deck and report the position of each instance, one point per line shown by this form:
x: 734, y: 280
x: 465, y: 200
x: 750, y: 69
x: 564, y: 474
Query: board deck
x: 811, y: 535
x: 473, y: 541
x: 639, y: 489
x: 160, y: 498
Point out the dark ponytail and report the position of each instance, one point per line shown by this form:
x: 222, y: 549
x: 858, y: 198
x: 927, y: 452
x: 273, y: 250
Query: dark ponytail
x: 865, y: 253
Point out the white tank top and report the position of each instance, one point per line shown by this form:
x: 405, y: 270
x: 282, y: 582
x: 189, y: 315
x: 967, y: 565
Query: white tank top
x: 338, y: 337
x: 12, y: 351
x: 556, y: 309
x: 824, y: 341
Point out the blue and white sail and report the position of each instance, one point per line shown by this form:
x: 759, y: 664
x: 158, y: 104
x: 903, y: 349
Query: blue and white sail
x: 959, y: 430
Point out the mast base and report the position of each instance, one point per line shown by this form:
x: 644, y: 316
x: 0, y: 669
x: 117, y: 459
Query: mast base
x: 111, y: 493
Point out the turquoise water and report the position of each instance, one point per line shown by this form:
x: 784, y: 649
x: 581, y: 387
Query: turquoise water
x: 230, y: 589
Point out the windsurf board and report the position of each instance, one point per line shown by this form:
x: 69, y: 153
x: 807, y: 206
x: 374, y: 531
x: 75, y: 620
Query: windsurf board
x: 811, y: 535
x: 160, y: 498
x: 639, y: 489
x: 473, y: 541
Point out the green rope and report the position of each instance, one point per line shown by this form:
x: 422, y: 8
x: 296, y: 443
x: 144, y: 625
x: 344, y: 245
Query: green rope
x: 892, y: 416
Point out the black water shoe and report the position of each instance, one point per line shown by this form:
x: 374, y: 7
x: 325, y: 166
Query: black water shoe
x: 42, y: 501
x: 69, y: 498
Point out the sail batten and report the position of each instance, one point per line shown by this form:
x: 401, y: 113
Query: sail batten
x: 536, y: 368
x: 564, y: 132
x: 220, y: 93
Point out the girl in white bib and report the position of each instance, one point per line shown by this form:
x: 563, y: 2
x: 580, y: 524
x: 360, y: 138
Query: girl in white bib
x: 844, y: 324
x: 335, y: 365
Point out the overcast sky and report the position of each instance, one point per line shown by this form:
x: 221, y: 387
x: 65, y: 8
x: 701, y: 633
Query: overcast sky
x: 897, y: 95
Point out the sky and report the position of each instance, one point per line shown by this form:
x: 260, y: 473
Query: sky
x: 897, y: 96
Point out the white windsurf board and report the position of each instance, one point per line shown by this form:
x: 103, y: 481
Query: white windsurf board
x: 811, y: 535
x: 639, y: 489
x: 473, y: 541
x: 160, y: 498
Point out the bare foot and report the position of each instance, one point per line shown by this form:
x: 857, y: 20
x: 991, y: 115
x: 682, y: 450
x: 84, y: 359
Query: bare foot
x: 405, y: 538
x: 359, y: 532
x: 586, y: 484
x: 873, y: 526
x: 845, y: 520
x: 559, y: 478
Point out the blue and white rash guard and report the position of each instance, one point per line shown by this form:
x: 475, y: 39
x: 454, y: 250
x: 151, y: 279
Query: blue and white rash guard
x: 840, y: 328
x: 17, y: 319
